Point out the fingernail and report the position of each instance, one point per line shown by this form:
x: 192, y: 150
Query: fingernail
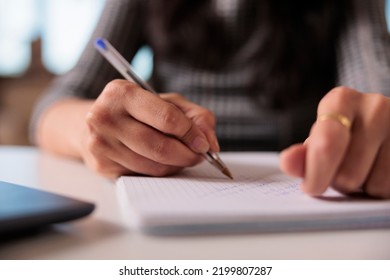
x: 200, y: 145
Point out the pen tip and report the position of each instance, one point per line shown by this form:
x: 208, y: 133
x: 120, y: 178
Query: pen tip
x: 227, y: 173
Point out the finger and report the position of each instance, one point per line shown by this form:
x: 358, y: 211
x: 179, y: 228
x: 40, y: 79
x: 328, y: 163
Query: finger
x: 154, y: 145
x: 110, y: 158
x: 137, y: 164
x: 329, y: 142
x: 95, y: 155
x: 367, y: 137
x: 164, y: 116
x: 292, y: 160
x: 378, y: 182
x: 203, y: 118
x: 145, y: 141
x: 142, y: 139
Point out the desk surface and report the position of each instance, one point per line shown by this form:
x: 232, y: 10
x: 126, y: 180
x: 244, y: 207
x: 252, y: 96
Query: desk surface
x: 104, y: 235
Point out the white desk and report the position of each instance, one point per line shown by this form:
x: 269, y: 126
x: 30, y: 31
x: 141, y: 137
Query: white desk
x: 103, y: 235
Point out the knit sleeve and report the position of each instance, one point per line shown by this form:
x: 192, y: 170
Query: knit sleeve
x: 364, y: 50
x: 121, y: 24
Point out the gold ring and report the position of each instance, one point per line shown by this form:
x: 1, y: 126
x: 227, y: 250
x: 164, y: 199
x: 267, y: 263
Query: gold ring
x: 341, y: 119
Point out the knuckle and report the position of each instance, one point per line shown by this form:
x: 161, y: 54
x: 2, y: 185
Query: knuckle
x: 338, y: 97
x: 90, y: 120
x: 129, y: 87
x: 379, y: 106
x: 112, y: 88
x: 379, y: 102
x: 160, y: 150
x: 96, y: 145
x: 115, y: 85
x: 117, y: 89
x: 342, y: 91
x: 99, y: 118
x: 168, y: 117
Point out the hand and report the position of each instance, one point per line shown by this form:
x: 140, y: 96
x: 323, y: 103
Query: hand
x: 129, y: 130
x: 349, y: 160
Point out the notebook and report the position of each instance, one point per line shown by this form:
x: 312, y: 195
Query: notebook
x: 23, y: 209
x: 260, y: 198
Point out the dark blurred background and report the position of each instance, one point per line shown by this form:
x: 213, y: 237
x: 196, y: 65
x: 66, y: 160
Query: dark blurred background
x: 40, y: 39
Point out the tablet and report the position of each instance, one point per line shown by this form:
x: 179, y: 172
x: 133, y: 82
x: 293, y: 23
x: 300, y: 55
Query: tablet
x: 23, y: 208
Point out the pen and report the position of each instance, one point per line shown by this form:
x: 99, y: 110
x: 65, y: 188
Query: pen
x: 125, y: 69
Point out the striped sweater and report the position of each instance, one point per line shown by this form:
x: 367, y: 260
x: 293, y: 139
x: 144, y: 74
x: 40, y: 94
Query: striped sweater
x: 363, y: 59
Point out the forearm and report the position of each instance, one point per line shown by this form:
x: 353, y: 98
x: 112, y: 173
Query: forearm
x: 61, y: 126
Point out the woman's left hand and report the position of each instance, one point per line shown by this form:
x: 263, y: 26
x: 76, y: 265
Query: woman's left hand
x: 348, y: 147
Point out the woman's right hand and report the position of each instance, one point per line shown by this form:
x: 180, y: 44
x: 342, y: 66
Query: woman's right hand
x: 128, y: 130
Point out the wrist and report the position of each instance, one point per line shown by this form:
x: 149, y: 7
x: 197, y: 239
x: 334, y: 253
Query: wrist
x: 62, y: 127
